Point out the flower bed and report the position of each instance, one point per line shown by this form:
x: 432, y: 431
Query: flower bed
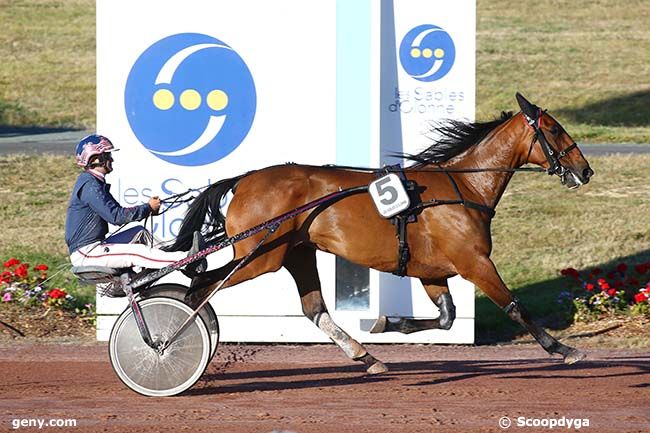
x: 597, y: 293
x: 24, y: 287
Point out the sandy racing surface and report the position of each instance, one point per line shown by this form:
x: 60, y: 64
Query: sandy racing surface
x: 316, y: 389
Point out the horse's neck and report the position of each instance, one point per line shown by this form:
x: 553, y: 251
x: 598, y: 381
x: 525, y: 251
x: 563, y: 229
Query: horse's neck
x: 500, y: 149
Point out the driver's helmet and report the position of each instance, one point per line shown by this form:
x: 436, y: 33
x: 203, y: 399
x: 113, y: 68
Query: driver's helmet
x: 90, y: 146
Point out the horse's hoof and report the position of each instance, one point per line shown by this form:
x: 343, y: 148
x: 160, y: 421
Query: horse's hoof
x: 379, y: 326
x: 377, y: 368
x: 573, y: 356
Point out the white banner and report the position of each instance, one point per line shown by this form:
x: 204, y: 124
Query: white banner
x: 200, y: 91
x: 428, y: 69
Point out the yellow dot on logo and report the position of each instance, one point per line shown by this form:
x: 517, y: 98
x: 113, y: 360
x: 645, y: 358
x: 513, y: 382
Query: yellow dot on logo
x: 190, y: 99
x: 217, y: 100
x: 163, y: 99
x: 427, y: 53
x: 415, y: 53
x: 439, y: 53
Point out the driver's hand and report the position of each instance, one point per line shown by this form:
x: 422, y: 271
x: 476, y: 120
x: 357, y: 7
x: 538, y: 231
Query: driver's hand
x: 154, y: 204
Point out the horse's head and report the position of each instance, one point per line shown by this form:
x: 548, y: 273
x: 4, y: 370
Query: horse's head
x: 556, y: 151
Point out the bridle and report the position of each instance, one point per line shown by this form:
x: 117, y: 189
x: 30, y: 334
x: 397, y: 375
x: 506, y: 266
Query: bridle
x: 552, y: 155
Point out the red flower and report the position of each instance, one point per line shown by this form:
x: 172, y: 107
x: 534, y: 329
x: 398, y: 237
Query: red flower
x: 11, y: 262
x: 56, y: 294
x: 622, y: 268
x: 596, y: 271
x: 42, y: 268
x: 589, y: 287
x: 611, y: 292
x: 605, y: 286
x: 601, y: 281
x: 633, y: 282
x: 5, y: 277
x: 21, y: 271
x: 612, y: 275
x: 641, y: 269
x: 640, y: 297
x: 570, y: 272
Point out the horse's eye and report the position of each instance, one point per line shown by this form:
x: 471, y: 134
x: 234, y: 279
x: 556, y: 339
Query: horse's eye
x: 554, y: 130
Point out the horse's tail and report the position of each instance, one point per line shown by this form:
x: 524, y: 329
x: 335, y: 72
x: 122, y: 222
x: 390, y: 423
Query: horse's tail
x: 205, y: 210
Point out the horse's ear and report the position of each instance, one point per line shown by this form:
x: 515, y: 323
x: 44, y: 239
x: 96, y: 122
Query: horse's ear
x: 527, y: 108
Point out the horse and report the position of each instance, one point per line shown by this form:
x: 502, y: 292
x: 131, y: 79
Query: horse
x: 462, y: 176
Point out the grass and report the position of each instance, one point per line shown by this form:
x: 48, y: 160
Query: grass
x: 47, y: 73
x: 540, y: 227
x: 582, y: 59
x: 33, y: 198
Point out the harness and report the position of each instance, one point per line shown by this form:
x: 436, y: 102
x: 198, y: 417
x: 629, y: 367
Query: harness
x: 409, y: 215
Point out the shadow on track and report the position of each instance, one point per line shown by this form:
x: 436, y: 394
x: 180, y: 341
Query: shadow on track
x: 441, y: 372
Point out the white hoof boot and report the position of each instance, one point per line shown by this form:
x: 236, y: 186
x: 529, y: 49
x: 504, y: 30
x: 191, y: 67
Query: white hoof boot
x: 379, y: 326
x: 377, y: 368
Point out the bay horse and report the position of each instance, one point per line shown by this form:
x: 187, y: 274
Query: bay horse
x: 466, y: 172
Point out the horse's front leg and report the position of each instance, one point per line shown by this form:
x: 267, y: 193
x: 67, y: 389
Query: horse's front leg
x: 438, y: 292
x: 483, y: 273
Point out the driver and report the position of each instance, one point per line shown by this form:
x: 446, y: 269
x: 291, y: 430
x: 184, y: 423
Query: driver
x: 92, y: 208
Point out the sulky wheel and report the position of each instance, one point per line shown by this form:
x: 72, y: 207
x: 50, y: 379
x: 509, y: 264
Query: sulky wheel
x: 144, y: 369
x: 177, y: 291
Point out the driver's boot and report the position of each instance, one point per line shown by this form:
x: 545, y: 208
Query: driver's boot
x: 199, y: 266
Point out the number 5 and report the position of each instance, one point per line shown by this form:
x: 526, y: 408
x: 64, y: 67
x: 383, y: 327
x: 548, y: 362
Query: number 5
x: 381, y: 190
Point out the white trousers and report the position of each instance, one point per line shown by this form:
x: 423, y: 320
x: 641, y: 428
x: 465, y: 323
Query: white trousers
x: 124, y: 256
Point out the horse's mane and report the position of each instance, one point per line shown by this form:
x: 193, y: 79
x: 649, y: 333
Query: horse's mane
x: 456, y: 137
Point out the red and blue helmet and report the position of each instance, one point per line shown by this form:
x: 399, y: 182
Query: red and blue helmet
x: 90, y: 146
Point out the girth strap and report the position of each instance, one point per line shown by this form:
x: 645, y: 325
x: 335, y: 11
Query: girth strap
x: 403, y: 252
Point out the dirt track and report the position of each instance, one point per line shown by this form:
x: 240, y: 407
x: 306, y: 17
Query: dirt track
x: 315, y: 389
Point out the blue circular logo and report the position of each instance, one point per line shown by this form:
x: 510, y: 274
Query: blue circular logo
x: 427, y: 53
x: 190, y: 99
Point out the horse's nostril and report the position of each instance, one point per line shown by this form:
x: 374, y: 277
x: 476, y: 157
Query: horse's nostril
x: 587, y: 173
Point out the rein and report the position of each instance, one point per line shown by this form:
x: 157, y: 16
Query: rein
x: 443, y: 170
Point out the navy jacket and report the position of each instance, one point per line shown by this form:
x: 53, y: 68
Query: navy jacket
x: 92, y: 208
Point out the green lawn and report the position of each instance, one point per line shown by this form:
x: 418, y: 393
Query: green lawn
x: 47, y: 72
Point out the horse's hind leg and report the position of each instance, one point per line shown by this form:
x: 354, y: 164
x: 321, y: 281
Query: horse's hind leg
x: 301, y: 264
x: 438, y: 292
